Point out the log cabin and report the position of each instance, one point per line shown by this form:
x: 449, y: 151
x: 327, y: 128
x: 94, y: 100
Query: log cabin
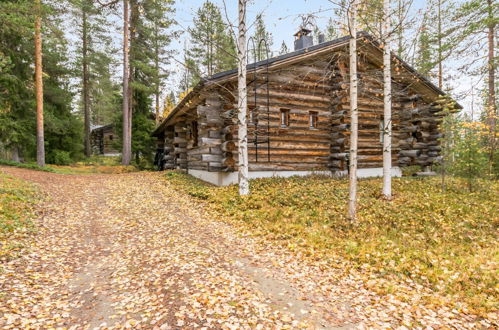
x: 298, y: 116
x: 102, y: 139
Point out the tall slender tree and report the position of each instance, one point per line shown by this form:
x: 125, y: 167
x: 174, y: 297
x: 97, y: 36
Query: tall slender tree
x: 242, y: 101
x: 352, y: 201
x: 260, y: 34
x: 85, y: 79
x: 212, y: 47
x: 127, y: 126
x: 387, y: 113
x: 40, y: 140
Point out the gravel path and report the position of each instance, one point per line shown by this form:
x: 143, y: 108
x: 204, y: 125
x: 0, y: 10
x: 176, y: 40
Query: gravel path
x: 129, y: 251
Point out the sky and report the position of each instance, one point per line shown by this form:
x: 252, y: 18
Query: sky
x: 282, y: 18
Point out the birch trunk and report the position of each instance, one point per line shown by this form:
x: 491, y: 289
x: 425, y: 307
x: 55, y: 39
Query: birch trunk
x: 242, y: 102
x: 40, y: 139
x: 352, y: 202
x: 440, y: 60
x: 127, y: 152
x: 86, y: 101
x: 387, y: 115
x: 492, y: 111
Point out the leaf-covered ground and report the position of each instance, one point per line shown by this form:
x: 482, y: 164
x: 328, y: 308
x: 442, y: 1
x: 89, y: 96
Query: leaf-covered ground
x: 444, y: 243
x: 134, y: 251
x: 16, y: 213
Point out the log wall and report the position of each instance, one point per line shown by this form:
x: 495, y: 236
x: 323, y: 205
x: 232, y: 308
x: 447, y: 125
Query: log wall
x: 320, y: 86
x: 203, y: 148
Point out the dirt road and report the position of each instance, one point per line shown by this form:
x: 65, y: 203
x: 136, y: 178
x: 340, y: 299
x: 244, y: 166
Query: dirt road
x: 130, y: 251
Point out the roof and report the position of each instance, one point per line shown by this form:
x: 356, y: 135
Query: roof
x: 101, y: 127
x: 216, y: 78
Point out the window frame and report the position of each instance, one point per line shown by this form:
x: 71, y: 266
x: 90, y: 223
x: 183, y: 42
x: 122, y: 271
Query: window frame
x: 313, y: 119
x: 285, y: 117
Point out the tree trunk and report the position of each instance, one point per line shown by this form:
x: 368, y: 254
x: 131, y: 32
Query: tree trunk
x: 400, y: 11
x: 242, y: 102
x: 40, y: 140
x: 127, y: 145
x: 492, y: 111
x: 387, y: 115
x: 156, y: 67
x: 440, y: 64
x: 15, y: 154
x: 86, y: 101
x: 352, y: 202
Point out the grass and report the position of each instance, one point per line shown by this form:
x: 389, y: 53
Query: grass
x: 30, y: 166
x: 95, y: 164
x: 445, y: 241
x: 16, y: 213
x: 92, y: 165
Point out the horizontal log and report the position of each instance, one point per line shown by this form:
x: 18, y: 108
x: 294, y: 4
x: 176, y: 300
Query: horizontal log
x: 211, y: 158
x: 210, y: 142
x: 410, y: 153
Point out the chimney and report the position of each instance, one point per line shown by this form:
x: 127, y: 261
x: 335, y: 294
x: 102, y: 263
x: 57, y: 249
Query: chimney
x: 322, y: 38
x: 303, y: 39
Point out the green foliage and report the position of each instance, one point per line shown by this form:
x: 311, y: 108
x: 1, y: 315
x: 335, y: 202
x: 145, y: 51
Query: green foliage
x: 260, y: 50
x: 437, y: 239
x: 17, y: 100
x: 465, y: 148
x: 213, y: 48
x: 31, y: 166
x: 104, y: 93
x: 332, y: 30
x: 16, y: 214
x: 284, y: 48
x: 59, y: 157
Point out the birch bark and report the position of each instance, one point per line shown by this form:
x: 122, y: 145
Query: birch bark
x: 242, y: 102
x: 387, y: 115
x: 352, y: 201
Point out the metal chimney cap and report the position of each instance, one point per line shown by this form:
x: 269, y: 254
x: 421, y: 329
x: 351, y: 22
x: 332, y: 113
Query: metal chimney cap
x: 302, y: 32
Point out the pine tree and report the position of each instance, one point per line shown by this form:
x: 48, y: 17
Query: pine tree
x: 284, y: 49
x: 62, y: 128
x: 40, y: 140
x: 93, y: 63
x: 212, y: 46
x: 149, y: 37
x: 332, y: 31
x: 261, y: 52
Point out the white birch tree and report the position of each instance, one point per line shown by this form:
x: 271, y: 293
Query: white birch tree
x: 242, y: 101
x: 352, y: 201
x: 387, y: 115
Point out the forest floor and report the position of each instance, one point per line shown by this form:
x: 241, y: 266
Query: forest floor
x: 134, y: 250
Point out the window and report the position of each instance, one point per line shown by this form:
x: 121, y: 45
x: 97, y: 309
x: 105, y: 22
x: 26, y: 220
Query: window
x: 111, y: 137
x: 312, y: 119
x: 194, y: 129
x: 284, y: 117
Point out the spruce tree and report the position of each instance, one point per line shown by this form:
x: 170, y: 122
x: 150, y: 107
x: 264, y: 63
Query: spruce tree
x: 212, y: 47
x: 261, y: 52
x: 284, y: 49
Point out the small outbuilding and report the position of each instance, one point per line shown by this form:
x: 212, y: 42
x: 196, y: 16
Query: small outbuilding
x: 103, y: 140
